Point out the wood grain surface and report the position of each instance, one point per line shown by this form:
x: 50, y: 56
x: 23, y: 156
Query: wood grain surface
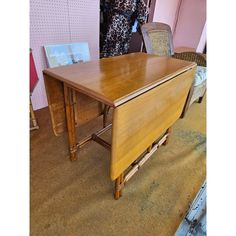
x: 148, y: 94
x: 140, y: 121
x: 116, y: 80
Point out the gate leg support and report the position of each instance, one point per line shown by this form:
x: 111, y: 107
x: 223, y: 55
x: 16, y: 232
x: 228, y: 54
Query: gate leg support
x: 119, y: 185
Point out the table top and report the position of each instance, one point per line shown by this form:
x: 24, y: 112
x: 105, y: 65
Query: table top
x: 116, y: 80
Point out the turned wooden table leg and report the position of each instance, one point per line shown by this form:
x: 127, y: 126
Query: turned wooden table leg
x: 167, y: 139
x: 119, y: 184
x: 105, y: 113
x: 70, y: 117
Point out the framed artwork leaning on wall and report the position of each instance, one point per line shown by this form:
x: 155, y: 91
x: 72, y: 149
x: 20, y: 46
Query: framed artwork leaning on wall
x: 66, y: 54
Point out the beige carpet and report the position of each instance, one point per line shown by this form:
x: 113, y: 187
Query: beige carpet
x: 75, y: 198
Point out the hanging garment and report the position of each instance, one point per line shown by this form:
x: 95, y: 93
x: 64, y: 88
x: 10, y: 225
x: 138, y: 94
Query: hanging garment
x: 122, y: 17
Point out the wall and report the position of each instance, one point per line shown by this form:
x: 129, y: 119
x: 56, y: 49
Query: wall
x: 187, y: 19
x: 202, y: 42
x: 166, y: 11
x: 190, y: 23
x: 61, y: 21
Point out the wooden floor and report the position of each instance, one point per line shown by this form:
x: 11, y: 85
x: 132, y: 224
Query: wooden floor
x: 75, y: 198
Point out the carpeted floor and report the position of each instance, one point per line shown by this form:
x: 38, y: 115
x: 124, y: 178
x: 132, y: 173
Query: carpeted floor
x: 76, y: 198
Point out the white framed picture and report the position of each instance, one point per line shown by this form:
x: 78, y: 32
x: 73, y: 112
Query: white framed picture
x: 66, y: 54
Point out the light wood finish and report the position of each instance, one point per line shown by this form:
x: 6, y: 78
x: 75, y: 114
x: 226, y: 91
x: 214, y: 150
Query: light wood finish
x: 168, y: 136
x: 122, y: 183
x: 105, y: 114
x: 56, y: 104
x: 70, y: 115
x: 136, y: 165
x: 116, y: 80
x: 119, y: 185
x: 149, y: 149
x: 139, y: 122
x: 139, y: 163
x: 85, y: 107
x: 33, y: 118
x: 117, y: 188
x: 147, y: 94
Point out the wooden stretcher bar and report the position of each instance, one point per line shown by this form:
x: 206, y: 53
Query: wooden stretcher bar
x: 121, y: 181
x: 99, y: 140
x: 91, y: 137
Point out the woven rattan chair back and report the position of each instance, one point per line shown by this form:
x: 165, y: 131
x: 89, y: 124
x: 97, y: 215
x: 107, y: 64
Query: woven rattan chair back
x: 158, y: 38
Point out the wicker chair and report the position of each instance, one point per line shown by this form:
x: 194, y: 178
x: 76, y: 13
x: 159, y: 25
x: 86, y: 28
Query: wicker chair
x: 158, y: 40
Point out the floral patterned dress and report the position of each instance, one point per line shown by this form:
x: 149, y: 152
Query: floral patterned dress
x: 123, y: 14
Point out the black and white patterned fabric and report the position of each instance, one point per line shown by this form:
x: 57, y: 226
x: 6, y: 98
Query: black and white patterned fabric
x: 122, y: 17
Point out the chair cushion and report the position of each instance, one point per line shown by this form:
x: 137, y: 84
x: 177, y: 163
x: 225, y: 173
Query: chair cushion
x: 200, y: 75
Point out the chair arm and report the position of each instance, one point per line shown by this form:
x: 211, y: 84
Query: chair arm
x: 191, y: 56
